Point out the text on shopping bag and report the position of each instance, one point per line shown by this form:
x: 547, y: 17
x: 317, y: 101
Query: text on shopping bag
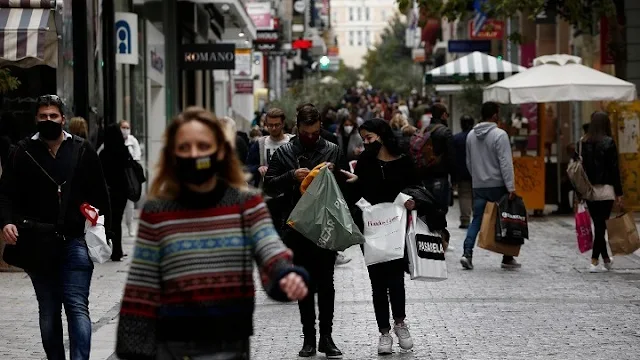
x: 429, y: 247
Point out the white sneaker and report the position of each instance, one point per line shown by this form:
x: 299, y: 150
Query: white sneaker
x: 404, y: 338
x: 593, y: 268
x: 385, y: 344
x: 608, y: 265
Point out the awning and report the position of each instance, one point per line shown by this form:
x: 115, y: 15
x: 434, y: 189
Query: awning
x: 478, y: 66
x: 27, y: 33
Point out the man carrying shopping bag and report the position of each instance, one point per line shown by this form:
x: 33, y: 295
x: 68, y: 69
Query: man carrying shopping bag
x: 491, y: 165
x: 288, y: 167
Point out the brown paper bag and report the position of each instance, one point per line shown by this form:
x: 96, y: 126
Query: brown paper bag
x: 487, y: 235
x: 623, y: 234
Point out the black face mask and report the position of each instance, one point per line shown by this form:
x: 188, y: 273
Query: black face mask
x: 197, y: 170
x: 373, y: 148
x: 49, y: 130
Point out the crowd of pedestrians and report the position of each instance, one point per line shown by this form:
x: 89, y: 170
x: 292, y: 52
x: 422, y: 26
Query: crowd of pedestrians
x: 219, y: 206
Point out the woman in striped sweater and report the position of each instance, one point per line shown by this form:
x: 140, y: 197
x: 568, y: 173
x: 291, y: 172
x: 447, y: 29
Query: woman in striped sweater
x: 190, y: 289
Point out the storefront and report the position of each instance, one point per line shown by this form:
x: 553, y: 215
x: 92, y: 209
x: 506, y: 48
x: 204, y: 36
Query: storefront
x: 32, y: 59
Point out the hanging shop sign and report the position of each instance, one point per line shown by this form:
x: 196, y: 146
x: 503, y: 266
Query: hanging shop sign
x: 126, y: 27
x: 208, y: 57
x: 243, y: 62
x: 243, y: 86
x: 267, y: 37
x: 266, y: 47
x: 491, y: 30
x: 260, y: 14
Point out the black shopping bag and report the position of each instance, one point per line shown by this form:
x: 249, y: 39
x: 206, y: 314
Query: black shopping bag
x: 511, y: 227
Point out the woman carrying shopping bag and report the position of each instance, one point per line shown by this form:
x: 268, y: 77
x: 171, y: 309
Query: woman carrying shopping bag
x: 190, y: 290
x: 600, y: 162
x: 383, y: 172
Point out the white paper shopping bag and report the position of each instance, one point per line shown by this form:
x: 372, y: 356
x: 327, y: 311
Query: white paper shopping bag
x: 425, y: 252
x: 385, y: 227
x: 95, y: 235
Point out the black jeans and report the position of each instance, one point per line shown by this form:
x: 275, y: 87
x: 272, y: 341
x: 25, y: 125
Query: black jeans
x: 388, y: 278
x: 118, y: 204
x: 320, y: 263
x: 600, y: 212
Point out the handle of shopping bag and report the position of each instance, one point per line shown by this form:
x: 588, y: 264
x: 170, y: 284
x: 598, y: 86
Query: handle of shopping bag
x: 90, y: 213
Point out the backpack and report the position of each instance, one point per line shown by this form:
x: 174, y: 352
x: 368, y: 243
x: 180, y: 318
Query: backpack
x: 578, y: 177
x: 421, y: 148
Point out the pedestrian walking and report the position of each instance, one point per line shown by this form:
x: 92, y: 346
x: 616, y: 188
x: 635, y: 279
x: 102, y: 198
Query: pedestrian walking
x: 490, y: 163
x: 51, y: 175
x: 133, y: 145
x: 349, y: 139
x: 114, y: 158
x: 190, y: 290
x: 465, y: 188
x: 438, y: 164
x: 258, y: 160
x: 384, y: 172
x: 288, y: 167
x: 600, y: 162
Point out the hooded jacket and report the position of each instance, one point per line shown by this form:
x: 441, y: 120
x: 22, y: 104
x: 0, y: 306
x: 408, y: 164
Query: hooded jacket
x: 489, y: 157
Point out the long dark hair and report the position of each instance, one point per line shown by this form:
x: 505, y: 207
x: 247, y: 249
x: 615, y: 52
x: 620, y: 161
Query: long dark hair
x: 383, y: 130
x: 114, y: 142
x: 599, y: 127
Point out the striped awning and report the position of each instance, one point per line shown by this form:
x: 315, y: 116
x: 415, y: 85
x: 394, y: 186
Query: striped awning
x: 27, y: 32
x: 478, y: 66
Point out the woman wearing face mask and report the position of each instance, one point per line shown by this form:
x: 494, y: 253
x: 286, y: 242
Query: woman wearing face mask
x: 190, y: 291
x: 114, y: 158
x: 133, y: 146
x: 349, y: 139
x: 384, y: 172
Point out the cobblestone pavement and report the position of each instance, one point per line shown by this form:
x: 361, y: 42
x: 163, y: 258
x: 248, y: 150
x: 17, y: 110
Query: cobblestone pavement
x: 550, y: 309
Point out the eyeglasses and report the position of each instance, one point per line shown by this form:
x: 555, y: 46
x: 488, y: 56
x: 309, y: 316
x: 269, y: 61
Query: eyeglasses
x: 272, y: 126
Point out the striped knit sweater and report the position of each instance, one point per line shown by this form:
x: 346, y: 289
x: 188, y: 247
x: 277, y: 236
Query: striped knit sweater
x: 191, y: 273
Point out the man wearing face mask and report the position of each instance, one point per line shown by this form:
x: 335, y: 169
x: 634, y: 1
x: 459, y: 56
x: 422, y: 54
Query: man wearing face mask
x: 48, y: 177
x: 288, y: 166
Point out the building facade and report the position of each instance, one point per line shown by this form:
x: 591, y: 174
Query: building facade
x: 358, y: 25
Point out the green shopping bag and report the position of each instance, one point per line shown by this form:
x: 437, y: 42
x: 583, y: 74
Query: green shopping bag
x: 322, y: 215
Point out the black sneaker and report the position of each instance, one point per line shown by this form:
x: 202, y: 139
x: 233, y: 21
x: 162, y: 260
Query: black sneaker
x: 467, y: 262
x: 329, y: 348
x: 510, y: 264
x: 308, y: 348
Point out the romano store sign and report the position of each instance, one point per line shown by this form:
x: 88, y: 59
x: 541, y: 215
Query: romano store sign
x: 208, y: 57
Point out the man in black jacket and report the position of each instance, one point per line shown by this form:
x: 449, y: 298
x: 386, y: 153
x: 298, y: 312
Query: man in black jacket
x: 436, y: 176
x: 36, y: 186
x: 290, y: 164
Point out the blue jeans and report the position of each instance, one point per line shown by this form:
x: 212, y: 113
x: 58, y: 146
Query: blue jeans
x: 69, y: 286
x: 480, y: 198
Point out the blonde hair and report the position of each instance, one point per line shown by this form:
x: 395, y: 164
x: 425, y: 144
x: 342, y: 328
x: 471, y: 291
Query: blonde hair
x: 230, y: 128
x: 166, y: 184
x: 398, y: 122
x: 78, y: 126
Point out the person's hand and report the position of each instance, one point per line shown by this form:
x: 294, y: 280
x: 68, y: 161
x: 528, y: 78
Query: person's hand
x: 351, y: 178
x: 10, y: 234
x: 263, y: 170
x: 620, y: 202
x: 512, y: 195
x: 293, y: 285
x: 359, y: 150
x: 410, y: 204
x: 329, y: 165
x: 302, y: 173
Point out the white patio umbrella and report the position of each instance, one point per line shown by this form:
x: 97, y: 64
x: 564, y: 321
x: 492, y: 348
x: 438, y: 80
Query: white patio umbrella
x: 555, y: 78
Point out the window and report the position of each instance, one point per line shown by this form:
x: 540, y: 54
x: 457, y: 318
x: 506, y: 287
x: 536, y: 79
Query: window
x: 334, y: 17
x: 359, y: 36
x: 350, y: 38
x: 384, y: 15
x: 350, y: 14
x: 367, y: 38
x: 366, y: 14
x: 359, y: 14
